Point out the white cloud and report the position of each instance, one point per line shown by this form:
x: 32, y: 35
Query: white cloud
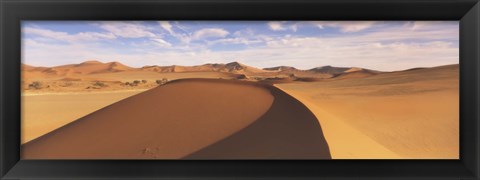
x: 346, y: 26
x: 63, y: 36
x: 127, y: 29
x: 235, y: 40
x: 282, y: 26
x: 184, y: 38
x: 209, y: 33
x: 276, y: 26
x: 248, y: 32
x: 167, y: 26
x: 161, y: 42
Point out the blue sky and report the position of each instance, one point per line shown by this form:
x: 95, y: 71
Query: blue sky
x: 380, y: 45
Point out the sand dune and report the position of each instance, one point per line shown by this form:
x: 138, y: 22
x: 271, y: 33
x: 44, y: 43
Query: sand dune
x: 89, y: 67
x: 408, y: 114
x: 86, y: 67
x: 176, y: 120
x: 94, y: 76
x: 233, y: 67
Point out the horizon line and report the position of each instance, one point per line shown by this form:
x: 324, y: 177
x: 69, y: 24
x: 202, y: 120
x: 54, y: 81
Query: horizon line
x: 208, y: 63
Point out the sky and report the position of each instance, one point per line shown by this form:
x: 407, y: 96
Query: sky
x: 379, y: 45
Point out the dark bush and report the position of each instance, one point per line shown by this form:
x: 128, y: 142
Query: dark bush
x: 162, y: 81
x: 35, y: 85
x: 99, y: 84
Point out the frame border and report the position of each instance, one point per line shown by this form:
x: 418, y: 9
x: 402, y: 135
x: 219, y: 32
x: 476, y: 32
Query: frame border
x: 13, y: 11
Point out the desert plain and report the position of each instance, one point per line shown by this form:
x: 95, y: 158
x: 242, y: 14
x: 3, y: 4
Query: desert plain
x: 107, y: 110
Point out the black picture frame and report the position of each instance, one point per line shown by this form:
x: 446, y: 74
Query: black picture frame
x: 12, y: 12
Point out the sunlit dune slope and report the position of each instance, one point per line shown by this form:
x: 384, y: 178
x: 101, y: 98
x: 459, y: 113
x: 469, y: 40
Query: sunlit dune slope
x: 407, y: 114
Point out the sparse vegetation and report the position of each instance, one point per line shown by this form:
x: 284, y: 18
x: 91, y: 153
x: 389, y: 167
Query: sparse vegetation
x: 92, y: 87
x: 135, y: 82
x: 99, y: 84
x: 35, y: 85
x: 162, y: 81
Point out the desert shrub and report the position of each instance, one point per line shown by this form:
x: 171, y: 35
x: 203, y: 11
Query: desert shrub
x: 127, y: 83
x: 99, y: 84
x: 35, y: 85
x: 162, y: 81
x: 136, y: 82
x: 92, y: 87
x: 144, y: 81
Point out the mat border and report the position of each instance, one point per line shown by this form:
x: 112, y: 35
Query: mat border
x: 12, y: 12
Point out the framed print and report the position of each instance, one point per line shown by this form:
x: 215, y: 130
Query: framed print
x: 230, y: 89
x: 240, y: 90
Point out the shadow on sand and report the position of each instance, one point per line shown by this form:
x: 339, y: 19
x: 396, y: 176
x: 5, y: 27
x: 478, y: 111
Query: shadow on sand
x: 288, y: 130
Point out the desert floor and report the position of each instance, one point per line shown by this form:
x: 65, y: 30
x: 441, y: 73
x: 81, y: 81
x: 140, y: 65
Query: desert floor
x: 42, y: 113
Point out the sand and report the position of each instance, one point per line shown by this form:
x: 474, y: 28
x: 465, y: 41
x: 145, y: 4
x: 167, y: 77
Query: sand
x: 409, y: 115
x: 42, y: 113
x: 176, y: 120
x: 282, y: 113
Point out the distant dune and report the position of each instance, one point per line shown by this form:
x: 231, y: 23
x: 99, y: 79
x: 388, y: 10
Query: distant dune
x: 97, y: 67
x: 233, y: 67
x: 93, y: 75
x: 193, y: 119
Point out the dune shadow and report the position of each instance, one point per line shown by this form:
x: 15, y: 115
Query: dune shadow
x: 288, y: 130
